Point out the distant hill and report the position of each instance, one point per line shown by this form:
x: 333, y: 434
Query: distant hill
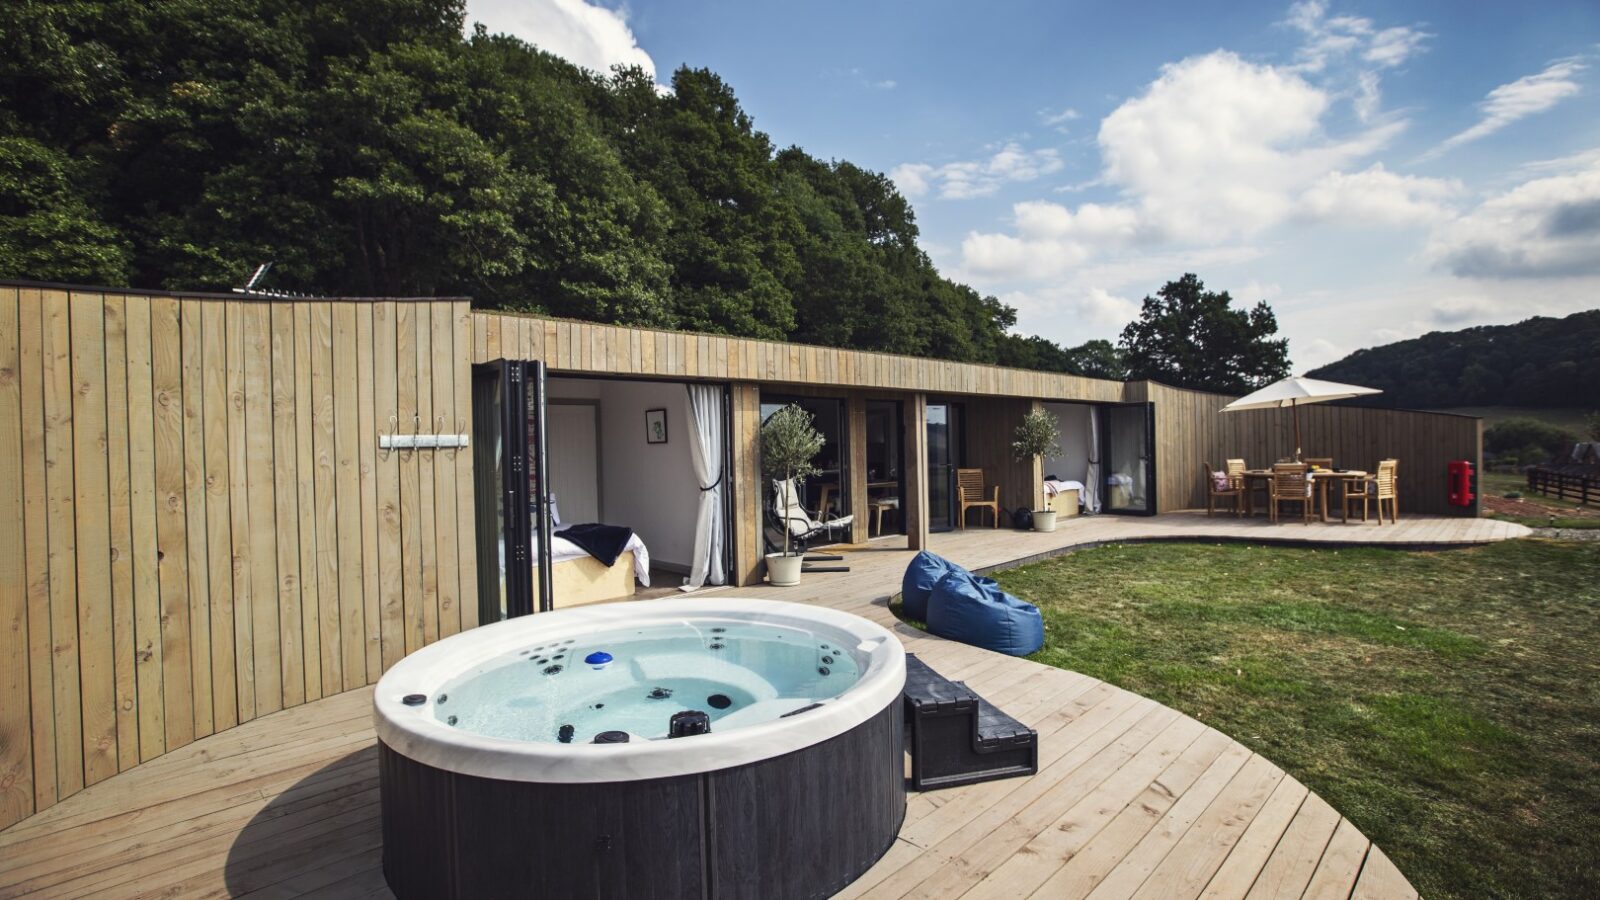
x: 1540, y: 362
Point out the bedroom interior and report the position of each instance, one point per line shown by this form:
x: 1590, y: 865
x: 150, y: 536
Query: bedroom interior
x: 604, y: 466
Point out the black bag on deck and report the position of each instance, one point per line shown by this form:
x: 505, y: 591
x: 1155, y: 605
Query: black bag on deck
x: 1022, y: 518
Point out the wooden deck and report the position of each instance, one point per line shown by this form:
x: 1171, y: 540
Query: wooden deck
x: 1132, y: 799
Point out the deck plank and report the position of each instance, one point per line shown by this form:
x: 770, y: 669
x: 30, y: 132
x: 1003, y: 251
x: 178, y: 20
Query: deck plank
x: 1131, y: 798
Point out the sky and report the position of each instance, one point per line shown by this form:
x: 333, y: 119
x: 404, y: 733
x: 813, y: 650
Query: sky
x: 1373, y: 170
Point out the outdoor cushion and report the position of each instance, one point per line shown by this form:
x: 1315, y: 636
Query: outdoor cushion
x: 975, y: 611
x: 921, y: 575
x: 1219, y: 481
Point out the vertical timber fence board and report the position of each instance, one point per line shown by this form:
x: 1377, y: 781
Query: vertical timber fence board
x: 206, y: 529
x: 16, y: 747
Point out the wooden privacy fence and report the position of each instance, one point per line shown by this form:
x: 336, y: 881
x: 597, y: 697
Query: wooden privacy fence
x: 1191, y: 428
x: 201, y: 528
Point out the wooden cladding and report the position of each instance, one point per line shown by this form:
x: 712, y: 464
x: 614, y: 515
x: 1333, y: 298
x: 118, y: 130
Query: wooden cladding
x: 203, y: 529
x: 617, y: 350
x: 1191, y: 428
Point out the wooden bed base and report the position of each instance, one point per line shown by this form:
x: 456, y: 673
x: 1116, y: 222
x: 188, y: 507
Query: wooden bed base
x: 586, y: 580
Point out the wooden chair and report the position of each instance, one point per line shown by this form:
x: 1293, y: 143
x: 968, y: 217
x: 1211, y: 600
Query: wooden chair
x: 1234, y: 490
x: 969, y: 490
x: 1290, y: 485
x: 1236, y: 469
x: 1319, y: 462
x: 1379, y: 487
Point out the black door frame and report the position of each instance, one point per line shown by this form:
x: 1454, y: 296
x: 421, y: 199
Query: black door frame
x: 1149, y: 456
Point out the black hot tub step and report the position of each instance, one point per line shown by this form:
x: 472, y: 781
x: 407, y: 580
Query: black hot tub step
x: 956, y: 737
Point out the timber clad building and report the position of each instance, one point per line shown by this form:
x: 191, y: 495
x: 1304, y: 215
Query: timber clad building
x: 219, y: 506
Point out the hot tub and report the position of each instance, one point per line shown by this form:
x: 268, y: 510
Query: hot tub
x: 665, y: 748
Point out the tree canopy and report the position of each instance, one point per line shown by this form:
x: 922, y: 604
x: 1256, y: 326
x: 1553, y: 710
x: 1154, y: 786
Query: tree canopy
x: 1539, y: 362
x: 370, y: 147
x: 1187, y: 336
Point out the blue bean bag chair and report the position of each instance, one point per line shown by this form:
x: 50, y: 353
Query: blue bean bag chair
x: 924, y: 572
x: 975, y: 611
x: 917, y: 585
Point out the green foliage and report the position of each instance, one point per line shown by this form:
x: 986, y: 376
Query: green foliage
x: 1037, y: 436
x: 1591, y: 426
x: 1187, y: 336
x: 789, y: 443
x: 1529, y: 440
x: 369, y: 147
x: 1539, y: 362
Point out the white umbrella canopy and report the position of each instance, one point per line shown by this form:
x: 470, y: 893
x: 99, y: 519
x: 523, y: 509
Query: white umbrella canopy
x: 1295, y: 393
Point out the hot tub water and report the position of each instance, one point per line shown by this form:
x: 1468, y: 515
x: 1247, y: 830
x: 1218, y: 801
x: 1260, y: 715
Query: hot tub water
x: 737, y: 673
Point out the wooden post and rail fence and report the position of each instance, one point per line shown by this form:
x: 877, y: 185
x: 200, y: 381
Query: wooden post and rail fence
x: 1583, y: 488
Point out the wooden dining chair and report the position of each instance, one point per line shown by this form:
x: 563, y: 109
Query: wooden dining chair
x: 969, y: 490
x: 1374, y: 488
x: 1231, y: 488
x: 1290, y: 485
x: 1236, y: 470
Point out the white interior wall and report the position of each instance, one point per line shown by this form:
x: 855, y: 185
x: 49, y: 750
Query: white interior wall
x: 651, y: 488
x: 1072, y: 420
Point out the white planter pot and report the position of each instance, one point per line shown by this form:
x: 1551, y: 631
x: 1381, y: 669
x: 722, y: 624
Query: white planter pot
x: 1044, y: 520
x: 784, y: 571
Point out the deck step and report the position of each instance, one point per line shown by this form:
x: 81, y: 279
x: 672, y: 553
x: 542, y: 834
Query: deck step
x: 956, y: 737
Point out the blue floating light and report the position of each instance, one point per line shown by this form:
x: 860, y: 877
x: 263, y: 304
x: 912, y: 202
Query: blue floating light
x: 598, y: 660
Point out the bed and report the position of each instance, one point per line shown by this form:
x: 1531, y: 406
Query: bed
x: 578, y: 578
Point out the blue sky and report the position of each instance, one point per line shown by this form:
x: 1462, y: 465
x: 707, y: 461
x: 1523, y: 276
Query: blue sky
x: 1374, y: 170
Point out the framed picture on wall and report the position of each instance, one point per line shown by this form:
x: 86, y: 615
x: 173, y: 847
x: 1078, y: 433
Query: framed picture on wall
x: 655, y: 426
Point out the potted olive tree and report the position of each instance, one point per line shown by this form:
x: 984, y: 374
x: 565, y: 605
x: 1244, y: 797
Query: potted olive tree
x: 789, y: 443
x: 1036, y: 438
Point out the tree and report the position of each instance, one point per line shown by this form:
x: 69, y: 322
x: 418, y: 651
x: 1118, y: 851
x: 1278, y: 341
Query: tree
x: 1189, y: 337
x: 1036, y: 437
x: 789, y: 444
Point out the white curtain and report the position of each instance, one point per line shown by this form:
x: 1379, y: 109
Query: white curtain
x: 707, y: 449
x: 1091, y: 480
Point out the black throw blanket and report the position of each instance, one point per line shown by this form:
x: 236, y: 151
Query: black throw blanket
x: 603, y: 542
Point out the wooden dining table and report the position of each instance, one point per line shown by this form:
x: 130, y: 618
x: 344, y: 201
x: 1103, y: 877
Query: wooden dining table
x: 1320, y: 480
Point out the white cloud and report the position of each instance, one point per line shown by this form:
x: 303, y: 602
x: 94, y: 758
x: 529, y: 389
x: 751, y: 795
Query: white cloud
x: 976, y: 178
x: 1393, y: 46
x: 1524, y: 97
x: 1546, y: 227
x: 1218, y: 147
x: 1330, y: 39
x: 1377, y: 196
x: 585, y: 34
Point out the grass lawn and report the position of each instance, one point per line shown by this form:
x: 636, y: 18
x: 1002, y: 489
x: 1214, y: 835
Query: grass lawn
x: 1447, y: 703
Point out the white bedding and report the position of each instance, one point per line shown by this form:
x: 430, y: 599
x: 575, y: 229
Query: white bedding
x: 1052, y: 488
x: 563, y: 550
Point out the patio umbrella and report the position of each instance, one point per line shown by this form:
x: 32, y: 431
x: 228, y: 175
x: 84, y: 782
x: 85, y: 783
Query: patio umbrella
x: 1295, y: 393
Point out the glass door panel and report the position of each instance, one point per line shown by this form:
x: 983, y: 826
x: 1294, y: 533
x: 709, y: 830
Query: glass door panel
x: 945, y: 455
x: 1128, y: 457
x: 885, y: 478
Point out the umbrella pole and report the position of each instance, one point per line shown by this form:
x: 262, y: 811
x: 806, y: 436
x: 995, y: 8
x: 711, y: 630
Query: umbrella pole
x: 1295, y: 408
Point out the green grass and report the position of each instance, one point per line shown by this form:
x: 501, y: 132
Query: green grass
x: 1447, y: 703
x: 1498, y: 484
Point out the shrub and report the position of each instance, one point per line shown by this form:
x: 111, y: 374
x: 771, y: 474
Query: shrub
x: 1529, y: 439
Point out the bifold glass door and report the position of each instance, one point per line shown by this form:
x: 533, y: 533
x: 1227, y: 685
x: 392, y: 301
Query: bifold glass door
x: 513, y: 513
x: 1128, y: 457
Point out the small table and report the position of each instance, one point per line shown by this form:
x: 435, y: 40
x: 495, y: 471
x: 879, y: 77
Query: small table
x: 1320, y: 480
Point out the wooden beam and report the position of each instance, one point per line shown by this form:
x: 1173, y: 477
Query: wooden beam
x: 916, y: 450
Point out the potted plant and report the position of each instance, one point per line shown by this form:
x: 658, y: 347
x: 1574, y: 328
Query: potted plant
x: 789, y: 443
x: 1036, y: 438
